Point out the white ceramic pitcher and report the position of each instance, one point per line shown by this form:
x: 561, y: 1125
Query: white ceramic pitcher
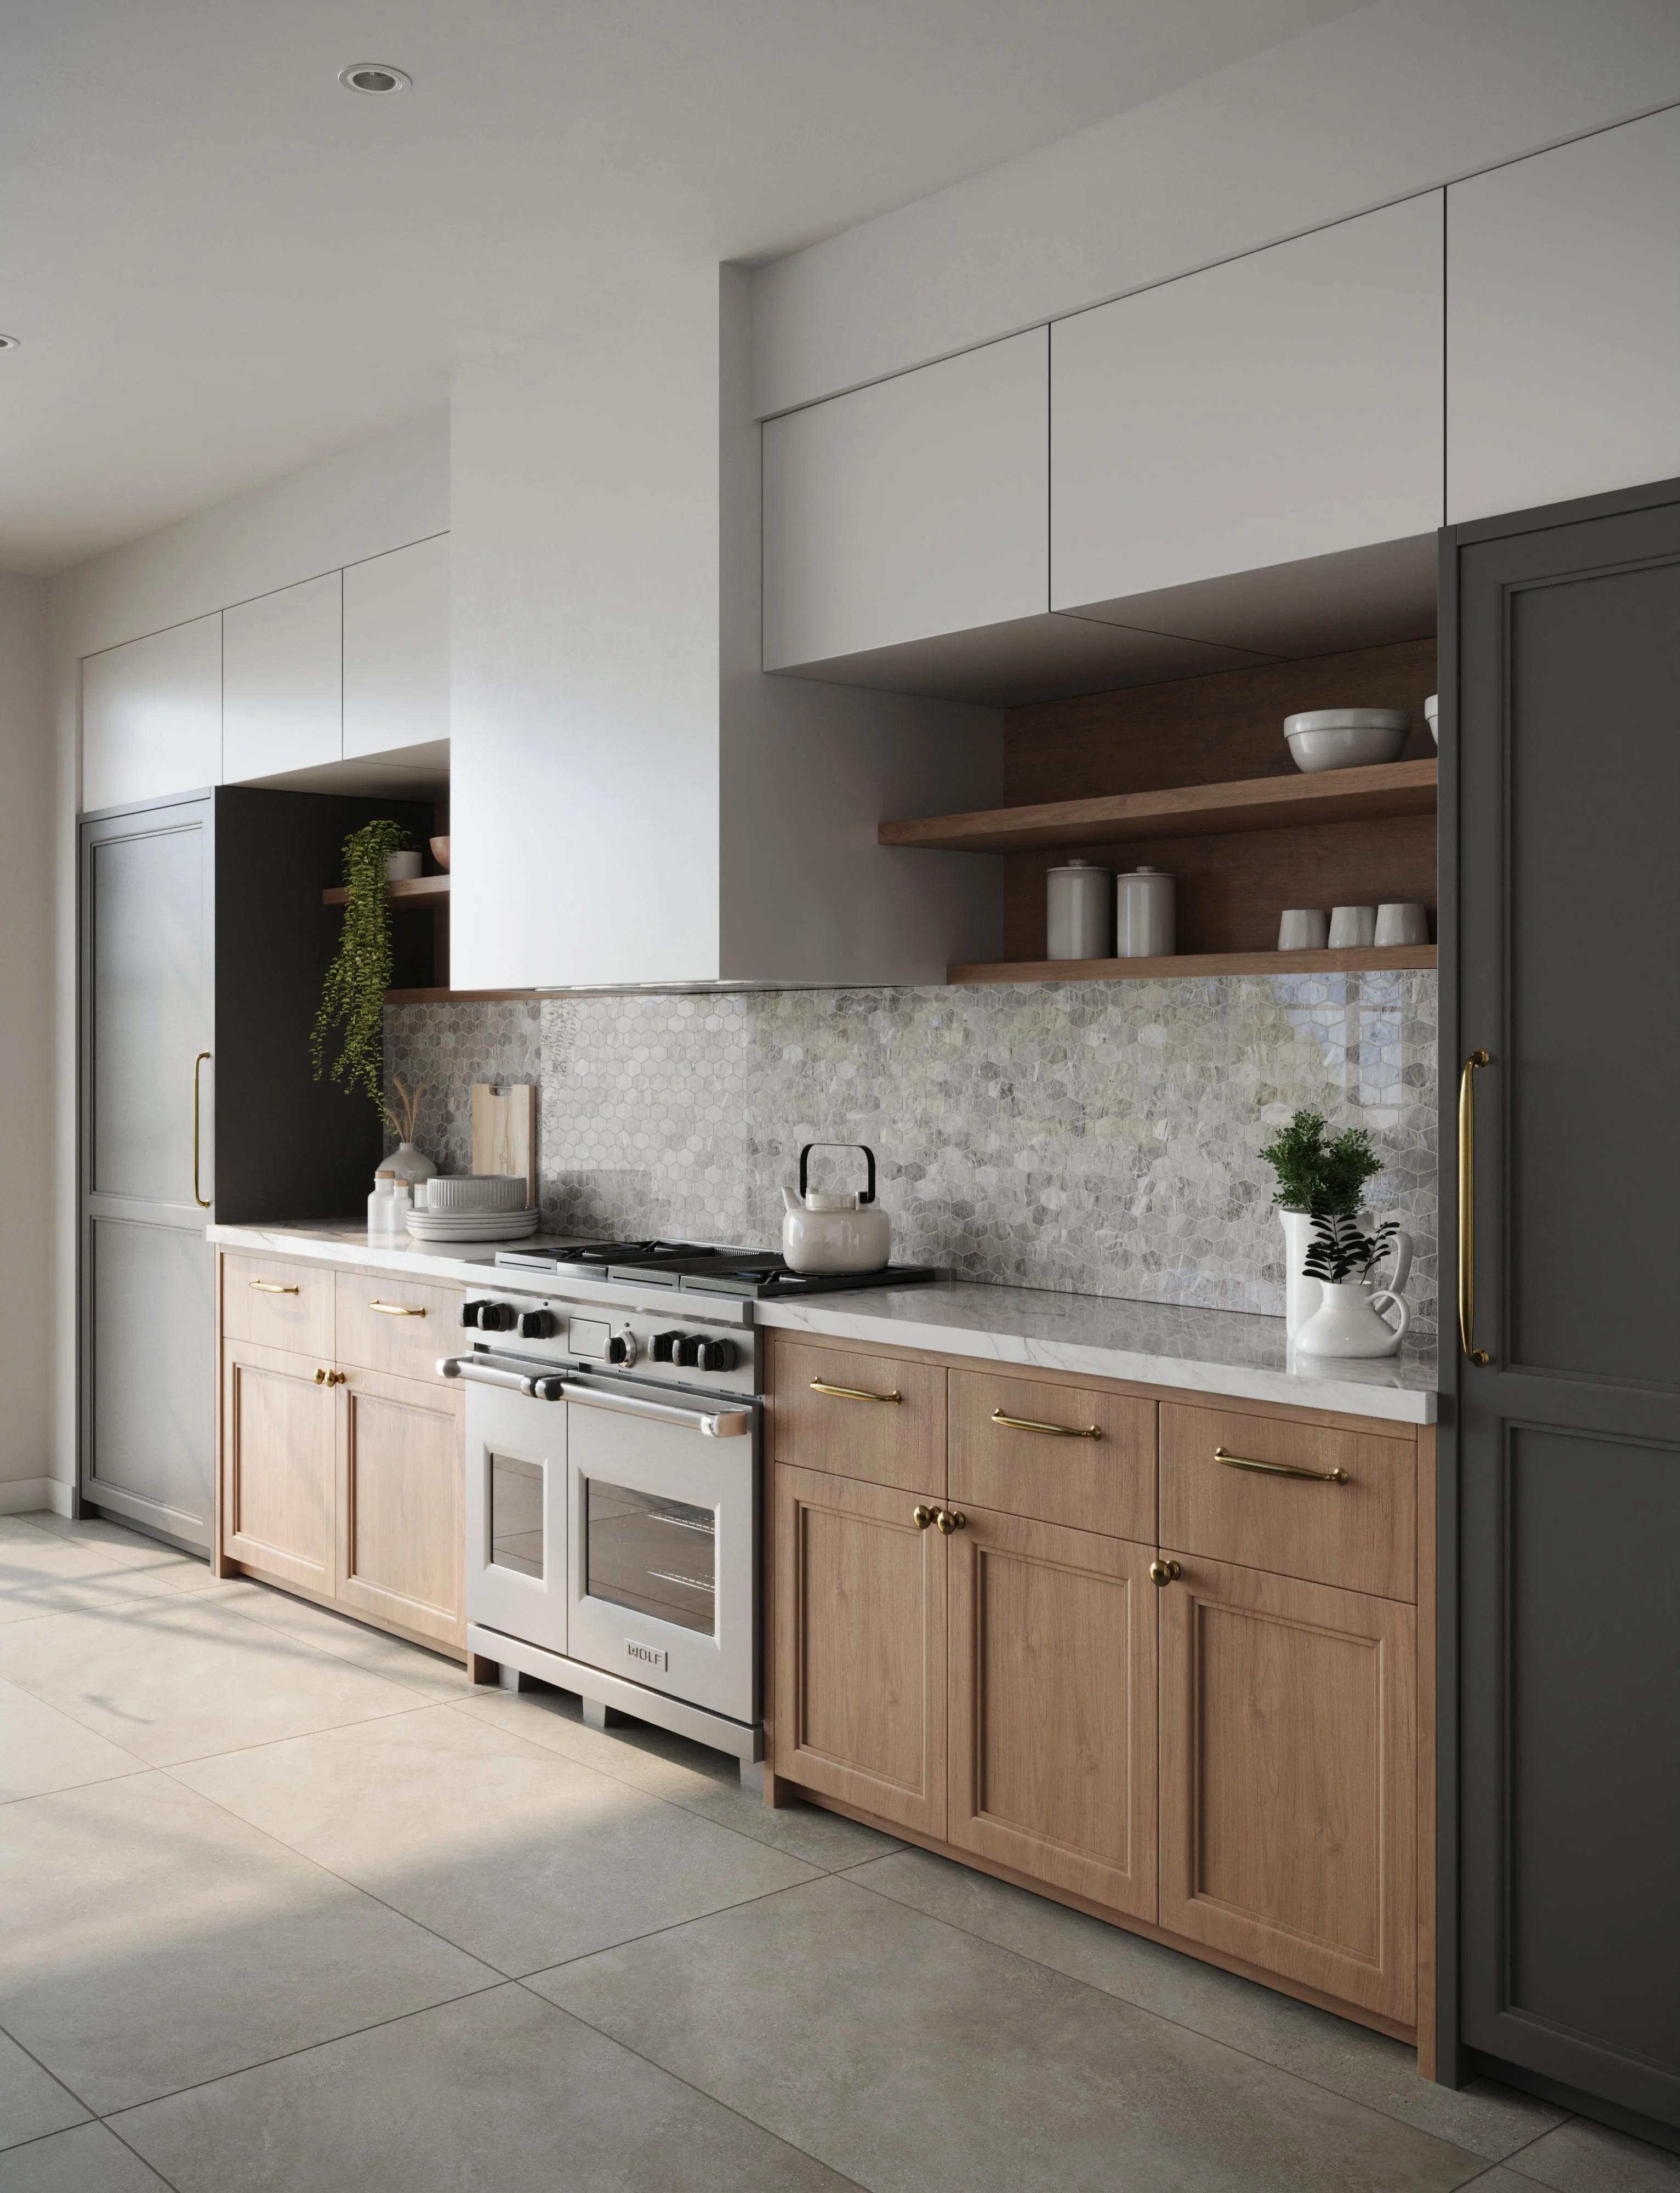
x: 1301, y: 1294
x: 1345, y: 1322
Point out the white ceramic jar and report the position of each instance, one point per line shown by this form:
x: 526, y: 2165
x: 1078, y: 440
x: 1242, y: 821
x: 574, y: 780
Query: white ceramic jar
x: 1145, y: 924
x: 1078, y: 911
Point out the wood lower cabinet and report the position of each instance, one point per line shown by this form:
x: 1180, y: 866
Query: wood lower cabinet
x: 1052, y: 1706
x: 278, y: 1440
x: 400, y: 1521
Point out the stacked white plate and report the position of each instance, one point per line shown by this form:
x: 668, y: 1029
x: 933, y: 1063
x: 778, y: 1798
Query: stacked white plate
x: 473, y: 1225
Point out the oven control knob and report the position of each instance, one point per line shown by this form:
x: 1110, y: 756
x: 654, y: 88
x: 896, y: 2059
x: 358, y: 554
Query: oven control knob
x: 469, y: 1310
x: 496, y: 1317
x: 689, y: 1347
x: 715, y: 1355
x: 666, y: 1345
x: 621, y: 1350
x: 536, y: 1325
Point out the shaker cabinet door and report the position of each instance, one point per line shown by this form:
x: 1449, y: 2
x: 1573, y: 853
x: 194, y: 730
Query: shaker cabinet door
x: 400, y: 1523
x: 276, y: 1460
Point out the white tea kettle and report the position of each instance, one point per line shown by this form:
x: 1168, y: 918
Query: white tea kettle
x: 827, y: 1233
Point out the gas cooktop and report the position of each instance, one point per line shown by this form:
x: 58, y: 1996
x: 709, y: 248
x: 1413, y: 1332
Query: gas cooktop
x: 699, y: 1268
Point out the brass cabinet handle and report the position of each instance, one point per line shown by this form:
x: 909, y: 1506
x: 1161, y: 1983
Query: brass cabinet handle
x: 1282, y: 1469
x: 1479, y: 1356
x: 395, y: 1309
x: 1163, y: 1572
x: 945, y: 1522
x: 1051, y: 1431
x: 852, y: 1393
x: 922, y: 1517
x: 332, y: 1378
x: 202, y: 1201
x: 270, y: 1287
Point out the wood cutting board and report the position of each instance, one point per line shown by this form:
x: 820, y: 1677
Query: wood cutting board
x: 505, y: 1131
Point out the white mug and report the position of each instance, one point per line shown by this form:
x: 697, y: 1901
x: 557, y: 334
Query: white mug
x: 1352, y: 926
x: 1401, y: 923
x: 1303, y: 929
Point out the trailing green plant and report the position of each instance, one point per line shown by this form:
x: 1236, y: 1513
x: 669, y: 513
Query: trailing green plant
x: 1340, y: 1249
x: 1317, y: 1174
x: 353, y: 997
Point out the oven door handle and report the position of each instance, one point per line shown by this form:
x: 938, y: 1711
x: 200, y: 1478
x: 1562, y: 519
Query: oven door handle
x: 730, y: 1423
x: 485, y: 1370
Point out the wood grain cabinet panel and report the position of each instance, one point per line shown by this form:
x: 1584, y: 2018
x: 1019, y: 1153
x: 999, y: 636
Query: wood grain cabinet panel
x: 1360, y: 1535
x: 277, y: 1303
x: 1053, y: 1691
x: 399, y: 1326
x: 860, y: 1626
x: 885, y: 1440
x: 401, y: 1524
x: 1287, y: 1780
x: 276, y: 1461
x: 1054, y: 1472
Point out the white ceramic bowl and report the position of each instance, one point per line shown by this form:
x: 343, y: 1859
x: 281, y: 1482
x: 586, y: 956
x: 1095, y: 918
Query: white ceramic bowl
x: 1432, y: 716
x: 459, y: 1192
x: 1345, y: 738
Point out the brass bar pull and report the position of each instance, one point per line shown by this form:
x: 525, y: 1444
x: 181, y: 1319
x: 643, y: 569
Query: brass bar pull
x: 1281, y: 1468
x: 852, y: 1393
x: 1050, y: 1431
x: 202, y: 1201
x: 1479, y: 1356
x: 395, y: 1309
x: 270, y: 1287
x: 945, y: 1522
x: 1164, y: 1572
x: 922, y: 1517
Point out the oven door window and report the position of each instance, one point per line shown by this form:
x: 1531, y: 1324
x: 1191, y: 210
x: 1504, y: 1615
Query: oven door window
x: 654, y: 1556
x: 515, y: 1515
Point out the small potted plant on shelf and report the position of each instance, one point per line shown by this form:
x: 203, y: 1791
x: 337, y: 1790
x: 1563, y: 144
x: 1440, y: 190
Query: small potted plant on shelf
x: 1318, y: 1174
x: 1346, y: 1323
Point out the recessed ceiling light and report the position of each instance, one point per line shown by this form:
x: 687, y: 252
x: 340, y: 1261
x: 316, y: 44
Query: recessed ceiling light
x: 10, y: 342
x: 375, y: 78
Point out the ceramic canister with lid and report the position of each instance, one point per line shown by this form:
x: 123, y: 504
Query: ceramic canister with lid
x: 1077, y: 912
x: 1145, y: 926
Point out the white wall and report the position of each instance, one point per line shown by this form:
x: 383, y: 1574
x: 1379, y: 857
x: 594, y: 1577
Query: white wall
x: 31, y: 1247
x: 1398, y: 98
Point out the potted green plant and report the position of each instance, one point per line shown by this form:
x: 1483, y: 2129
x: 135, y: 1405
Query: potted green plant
x: 1318, y: 1174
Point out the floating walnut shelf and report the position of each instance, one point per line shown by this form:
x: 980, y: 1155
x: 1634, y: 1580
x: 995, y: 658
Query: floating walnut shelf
x: 1370, y: 960
x: 409, y: 890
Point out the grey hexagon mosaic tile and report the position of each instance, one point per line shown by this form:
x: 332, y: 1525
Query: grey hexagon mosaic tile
x: 1099, y: 1138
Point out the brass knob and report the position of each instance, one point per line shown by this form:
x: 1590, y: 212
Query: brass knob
x: 948, y: 1522
x: 1163, y: 1572
x: 320, y: 1377
x: 921, y: 1517
x: 338, y: 1377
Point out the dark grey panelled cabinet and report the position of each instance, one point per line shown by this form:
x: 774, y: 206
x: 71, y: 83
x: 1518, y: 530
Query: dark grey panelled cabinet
x: 204, y: 944
x: 1561, y: 959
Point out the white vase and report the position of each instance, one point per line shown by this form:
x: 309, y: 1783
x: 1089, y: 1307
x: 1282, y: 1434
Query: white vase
x: 1347, y: 1323
x: 409, y: 1164
x: 1302, y: 1295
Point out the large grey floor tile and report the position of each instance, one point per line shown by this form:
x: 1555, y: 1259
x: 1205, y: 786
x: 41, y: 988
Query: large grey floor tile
x: 1491, y: 2120
x: 1581, y: 2157
x: 522, y: 1857
x: 89, y: 2160
x: 502, y: 2094
x: 683, y: 1773
x: 909, y: 2054
x: 41, y: 1573
x: 148, y: 1939
x: 427, y: 1673
x: 31, y: 2102
x: 124, y: 1547
x: 43, y: 1750
x: 173, y: 1678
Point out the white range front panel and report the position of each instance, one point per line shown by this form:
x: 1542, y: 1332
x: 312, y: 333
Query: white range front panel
x: 515, y: 1515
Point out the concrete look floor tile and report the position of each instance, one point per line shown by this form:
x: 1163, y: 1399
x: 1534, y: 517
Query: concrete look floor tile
x: 41, y: 1573
x: 43, y: 1750
x: 124, y: 1547
x: 428, y: 1674
x: 1582, y: 2157
x: 148, y: 1940
x: 89, y: 2160
x: 521, y: 1855
x: 500, y: 2094
x: 31, y: 2101
x: 1490, y: 2119
x: 173, y: 1678
x: 908, y: 2055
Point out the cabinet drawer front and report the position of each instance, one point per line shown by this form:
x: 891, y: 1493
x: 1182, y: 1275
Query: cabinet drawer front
x: 1054, y: 1473
x: 1360, y: 1534
x: 832, y: 1410
x: 276, y: 1303
x: 395, y: 1325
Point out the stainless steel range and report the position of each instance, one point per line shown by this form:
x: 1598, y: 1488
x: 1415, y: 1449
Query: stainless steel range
x: 613, y: 1442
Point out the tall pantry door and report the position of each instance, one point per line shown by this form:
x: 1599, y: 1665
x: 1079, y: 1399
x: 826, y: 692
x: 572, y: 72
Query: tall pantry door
x: 148, y: 1322
x: 1561, y: 798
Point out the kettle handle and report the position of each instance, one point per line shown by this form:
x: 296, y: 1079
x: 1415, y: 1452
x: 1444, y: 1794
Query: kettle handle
x: 868, y: 1195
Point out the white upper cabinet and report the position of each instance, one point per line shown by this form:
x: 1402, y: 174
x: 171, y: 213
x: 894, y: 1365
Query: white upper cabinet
x: 152, y: 716
x: 1563, y: 322
x: 917, y: 507
x: 397, y: 648
x: 282, y: 690
x: 1284, y: 406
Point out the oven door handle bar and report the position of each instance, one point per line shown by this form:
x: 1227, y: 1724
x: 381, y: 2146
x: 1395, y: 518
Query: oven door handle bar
x: 485, y: 1370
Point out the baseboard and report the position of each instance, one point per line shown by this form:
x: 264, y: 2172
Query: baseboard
x: 18, y: 1495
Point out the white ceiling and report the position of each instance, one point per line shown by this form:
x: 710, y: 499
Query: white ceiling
x: 220, y: 265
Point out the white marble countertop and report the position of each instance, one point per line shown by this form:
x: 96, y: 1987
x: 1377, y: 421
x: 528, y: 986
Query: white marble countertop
x: 1206, y: 1351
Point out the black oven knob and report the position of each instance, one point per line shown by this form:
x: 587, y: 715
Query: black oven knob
x: 689, y: 1347
x: 496, y: 1317
x: 666, y: 1345
x: 715, y: 1355
x: 536, y: 1325
x: 469, y: 1310
x: 621, y: 1348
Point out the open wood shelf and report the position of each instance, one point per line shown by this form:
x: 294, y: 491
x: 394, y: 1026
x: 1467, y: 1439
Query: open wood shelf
x: 410, y: 889
x: 1191, y: 811
x: 1369, y: 959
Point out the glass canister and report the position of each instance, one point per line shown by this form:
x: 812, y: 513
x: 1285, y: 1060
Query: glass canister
x: 1077, y: 908
x: 1145, y: 924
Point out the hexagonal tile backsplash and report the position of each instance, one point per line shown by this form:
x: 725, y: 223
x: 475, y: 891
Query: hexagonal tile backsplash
x: 1094, y: 1137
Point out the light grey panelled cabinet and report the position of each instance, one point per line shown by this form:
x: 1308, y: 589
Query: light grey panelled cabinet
x: 397, y: 648
x: 1281, y: 407
x: 1563, y: 322
x: 917, y: 507
x: 152, y: 716
x: 282, y: 680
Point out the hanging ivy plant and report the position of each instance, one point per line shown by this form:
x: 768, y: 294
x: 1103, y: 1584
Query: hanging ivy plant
x: 353, y: 995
